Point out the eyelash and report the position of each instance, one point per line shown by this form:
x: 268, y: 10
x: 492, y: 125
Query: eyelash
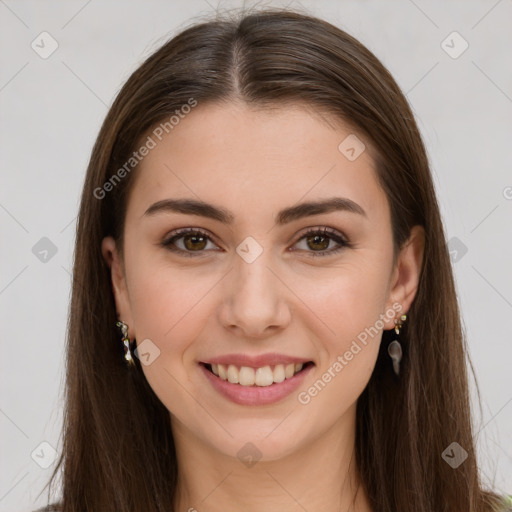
x: 325, y: 232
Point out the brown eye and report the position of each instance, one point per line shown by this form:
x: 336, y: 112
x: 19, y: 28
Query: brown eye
x: 187, y: 242
x: 317, y: 242
x: 194, y: 242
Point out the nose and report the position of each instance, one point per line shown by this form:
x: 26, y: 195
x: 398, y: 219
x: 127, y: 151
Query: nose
x: 255, y: 302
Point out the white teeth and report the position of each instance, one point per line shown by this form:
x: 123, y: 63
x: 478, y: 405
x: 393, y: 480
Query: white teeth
x: 233, y: 374
x: 279, y: 373
x: 222, y: 372
x: 247, y: 376
x: 264, y: 376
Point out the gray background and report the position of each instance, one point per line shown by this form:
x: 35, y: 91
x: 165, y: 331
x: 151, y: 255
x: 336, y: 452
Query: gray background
x: 51, y: 110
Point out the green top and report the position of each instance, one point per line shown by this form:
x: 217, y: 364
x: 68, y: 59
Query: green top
x: 507, y: 501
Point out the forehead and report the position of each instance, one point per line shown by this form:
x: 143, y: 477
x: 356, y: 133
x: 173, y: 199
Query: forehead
x: 256, y: 160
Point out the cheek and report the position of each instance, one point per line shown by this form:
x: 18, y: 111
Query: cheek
x: 348, y: 311
x: 165, y: 304
x: 349, y: 297
x: 160, y: 294
x: 345, y: 311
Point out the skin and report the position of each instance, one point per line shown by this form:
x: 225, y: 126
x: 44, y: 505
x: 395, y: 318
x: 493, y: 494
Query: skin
x: 253, y: 164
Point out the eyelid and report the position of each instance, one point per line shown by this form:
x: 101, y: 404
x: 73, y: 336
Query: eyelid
x: 180, y: 233
x: 337, y: 236
x: 326, y: 230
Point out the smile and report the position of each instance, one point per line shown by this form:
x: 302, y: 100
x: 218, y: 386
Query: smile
x: 263, y: 376
x: 256, y: 386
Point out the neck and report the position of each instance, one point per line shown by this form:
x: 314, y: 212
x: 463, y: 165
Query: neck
x: 319, y: 476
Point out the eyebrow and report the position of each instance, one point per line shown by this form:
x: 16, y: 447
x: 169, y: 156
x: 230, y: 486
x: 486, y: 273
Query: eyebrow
x: 285, y: 216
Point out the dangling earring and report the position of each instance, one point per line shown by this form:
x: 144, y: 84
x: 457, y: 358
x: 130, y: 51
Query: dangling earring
x: 126, y: 340
x: 394, y: 348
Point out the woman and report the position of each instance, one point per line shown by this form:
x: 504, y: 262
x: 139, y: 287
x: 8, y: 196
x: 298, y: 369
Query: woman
x: 263, y: 310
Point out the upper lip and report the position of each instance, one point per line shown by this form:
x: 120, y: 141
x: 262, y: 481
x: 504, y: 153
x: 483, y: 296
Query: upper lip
x: 259, y: 361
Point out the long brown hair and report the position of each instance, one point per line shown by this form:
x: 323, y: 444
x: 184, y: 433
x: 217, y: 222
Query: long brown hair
x: 118, y: 451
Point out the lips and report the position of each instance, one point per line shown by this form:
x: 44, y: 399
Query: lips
x: 262, y: 391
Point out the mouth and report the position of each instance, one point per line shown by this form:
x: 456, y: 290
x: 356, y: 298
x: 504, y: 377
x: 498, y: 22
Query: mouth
x: 264, y: 376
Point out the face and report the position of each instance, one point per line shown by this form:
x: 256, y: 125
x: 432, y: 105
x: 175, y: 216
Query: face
x: 259, y: 282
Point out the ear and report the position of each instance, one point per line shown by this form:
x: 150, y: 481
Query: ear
x: 114, y: 261
x: 406, y: 274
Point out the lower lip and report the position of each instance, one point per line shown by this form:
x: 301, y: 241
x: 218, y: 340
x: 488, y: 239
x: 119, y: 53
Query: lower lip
x: 256, y: 395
